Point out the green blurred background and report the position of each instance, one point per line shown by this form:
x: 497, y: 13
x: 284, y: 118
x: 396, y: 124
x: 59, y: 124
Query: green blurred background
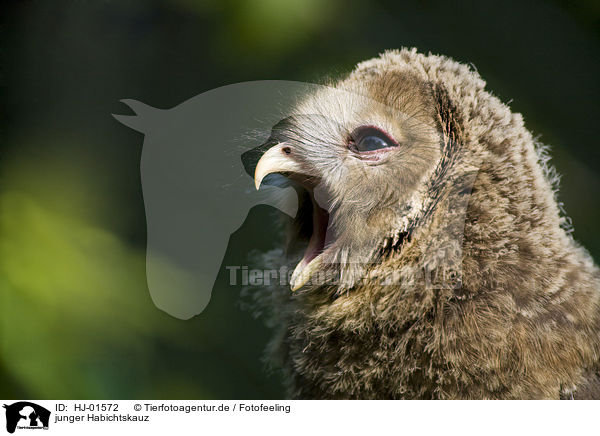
x: 76, y: 318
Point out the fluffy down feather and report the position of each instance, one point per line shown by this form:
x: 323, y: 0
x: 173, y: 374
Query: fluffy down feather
x: 521, y: 318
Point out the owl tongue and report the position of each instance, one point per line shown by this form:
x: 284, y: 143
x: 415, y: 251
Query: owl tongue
x: 312, y: 259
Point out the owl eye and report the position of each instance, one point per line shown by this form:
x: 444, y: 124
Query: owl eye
x: 369, y: 138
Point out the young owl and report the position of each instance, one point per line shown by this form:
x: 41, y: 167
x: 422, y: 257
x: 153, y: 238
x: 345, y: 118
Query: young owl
x: 437, y: 264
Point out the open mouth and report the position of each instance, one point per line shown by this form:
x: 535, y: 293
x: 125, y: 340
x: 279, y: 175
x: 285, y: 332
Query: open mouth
x: 313, y: 218
x: 313, y: 221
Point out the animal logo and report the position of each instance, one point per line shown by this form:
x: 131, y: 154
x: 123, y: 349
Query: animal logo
x: 196, y: 191
x: 26, y: 415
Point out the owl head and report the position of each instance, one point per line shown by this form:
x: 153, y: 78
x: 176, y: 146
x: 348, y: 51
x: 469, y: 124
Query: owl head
x: 387, y: 160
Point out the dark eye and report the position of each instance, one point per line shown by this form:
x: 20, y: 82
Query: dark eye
x: 369, y: 138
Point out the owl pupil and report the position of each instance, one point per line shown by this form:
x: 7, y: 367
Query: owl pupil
x: 370, y: 143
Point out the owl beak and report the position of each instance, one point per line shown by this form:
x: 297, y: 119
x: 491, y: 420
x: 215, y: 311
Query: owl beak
x: 277, y: 159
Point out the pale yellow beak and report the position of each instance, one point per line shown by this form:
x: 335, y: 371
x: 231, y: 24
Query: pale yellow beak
x: 276, y: 159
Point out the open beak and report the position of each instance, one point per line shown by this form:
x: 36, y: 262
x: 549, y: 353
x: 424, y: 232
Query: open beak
x: 280, y: 159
